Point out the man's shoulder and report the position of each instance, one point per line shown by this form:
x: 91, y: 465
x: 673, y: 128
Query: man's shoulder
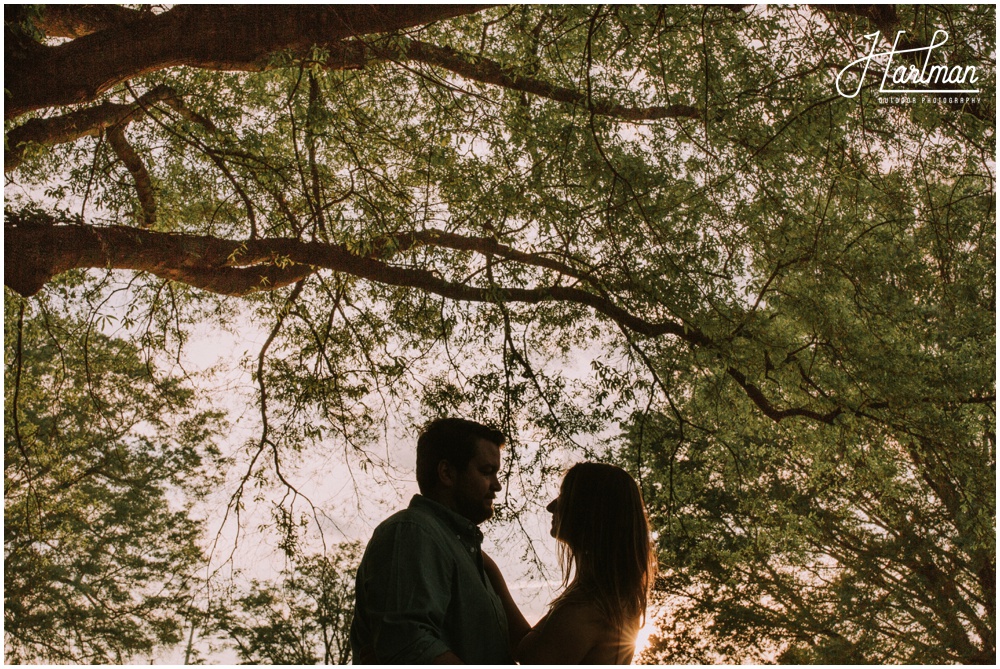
x: 411, y: 520
x: 407, y: 535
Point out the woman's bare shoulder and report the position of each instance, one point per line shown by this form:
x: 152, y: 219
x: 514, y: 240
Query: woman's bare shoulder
x: 567, y: 633
x: 580, y: 611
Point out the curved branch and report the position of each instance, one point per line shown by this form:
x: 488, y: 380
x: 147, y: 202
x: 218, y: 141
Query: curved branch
x: 143, y: 182
x: 71, y: 127
x: 34, y: 254
x: 774, y: 413
x: 489, y: 71
x: 103, y: 56
x: 224, y: 37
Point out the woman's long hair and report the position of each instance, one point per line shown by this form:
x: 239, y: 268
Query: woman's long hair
x: 605, y: 541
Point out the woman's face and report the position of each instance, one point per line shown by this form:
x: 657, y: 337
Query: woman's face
x: 554, y: 509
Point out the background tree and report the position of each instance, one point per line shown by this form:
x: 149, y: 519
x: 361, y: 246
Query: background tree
x: 103, y: 459
x: 786, y: 297
x: 304, y: 618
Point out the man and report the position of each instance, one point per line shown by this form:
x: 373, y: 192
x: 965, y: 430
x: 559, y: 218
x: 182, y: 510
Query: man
x: 422, y: 595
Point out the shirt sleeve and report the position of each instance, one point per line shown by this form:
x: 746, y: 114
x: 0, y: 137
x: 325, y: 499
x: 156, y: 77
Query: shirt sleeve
x: 408, y: 590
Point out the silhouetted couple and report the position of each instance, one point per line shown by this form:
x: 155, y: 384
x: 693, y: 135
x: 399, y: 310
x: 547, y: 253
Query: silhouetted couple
x: 426, y: 593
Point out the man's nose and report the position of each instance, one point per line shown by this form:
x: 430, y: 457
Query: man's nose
x: 495, y: 484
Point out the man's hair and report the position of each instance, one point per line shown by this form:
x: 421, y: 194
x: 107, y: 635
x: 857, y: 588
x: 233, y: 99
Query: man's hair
x: 451, y: 439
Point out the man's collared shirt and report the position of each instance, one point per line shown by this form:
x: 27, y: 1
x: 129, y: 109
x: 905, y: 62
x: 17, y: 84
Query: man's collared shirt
x: 421, y: 591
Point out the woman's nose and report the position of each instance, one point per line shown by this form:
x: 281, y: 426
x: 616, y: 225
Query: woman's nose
x: 551, y: 508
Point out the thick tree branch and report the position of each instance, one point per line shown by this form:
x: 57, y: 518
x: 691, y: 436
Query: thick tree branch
x: 342, y: 55
x: 73, y: 126
x: 79, y: 20
x: 132, y: 161
x: 224, y: 37
x: 34, y: 254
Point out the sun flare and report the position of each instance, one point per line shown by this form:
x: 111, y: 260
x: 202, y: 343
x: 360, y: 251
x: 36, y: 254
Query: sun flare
x: 642, y: 640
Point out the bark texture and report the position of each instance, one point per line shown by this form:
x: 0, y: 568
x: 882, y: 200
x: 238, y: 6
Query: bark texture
x: 140, y: 175
x: 71, y: 127
x: 222, y: 37
x: 79, y: 20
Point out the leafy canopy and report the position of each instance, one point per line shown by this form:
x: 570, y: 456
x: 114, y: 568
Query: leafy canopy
x: 655, y: 233
x: 104, y: 458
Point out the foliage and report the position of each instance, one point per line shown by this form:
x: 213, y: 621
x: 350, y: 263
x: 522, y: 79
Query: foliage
x: 304, y: 618
x: 579, y: 221
x: 103, y: 459
x: 838, y: 548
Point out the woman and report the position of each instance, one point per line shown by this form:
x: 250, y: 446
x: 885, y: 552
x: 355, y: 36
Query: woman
x: 608, y: 567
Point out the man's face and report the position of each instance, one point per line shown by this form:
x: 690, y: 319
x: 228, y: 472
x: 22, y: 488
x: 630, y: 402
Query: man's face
x: 476, y: 486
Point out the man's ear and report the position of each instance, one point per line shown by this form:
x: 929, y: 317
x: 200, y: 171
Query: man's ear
x: 446, y: 474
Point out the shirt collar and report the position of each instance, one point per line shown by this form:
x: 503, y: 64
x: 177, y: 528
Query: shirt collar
x: 452, y: 519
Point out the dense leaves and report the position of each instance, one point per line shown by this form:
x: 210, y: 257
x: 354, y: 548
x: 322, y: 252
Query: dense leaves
x: 578, y: 222
x: 304, y: 618
x: 103, y: 459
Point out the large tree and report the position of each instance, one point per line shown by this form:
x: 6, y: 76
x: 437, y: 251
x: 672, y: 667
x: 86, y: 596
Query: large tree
x: 303, y: 618
x: 786, y: 296
x: 104, y: 458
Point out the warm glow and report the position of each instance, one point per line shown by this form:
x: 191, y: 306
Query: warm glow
x: 645, y: 633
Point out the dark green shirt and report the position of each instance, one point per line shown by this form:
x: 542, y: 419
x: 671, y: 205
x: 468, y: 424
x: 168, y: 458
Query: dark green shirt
x: 421, y: 591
